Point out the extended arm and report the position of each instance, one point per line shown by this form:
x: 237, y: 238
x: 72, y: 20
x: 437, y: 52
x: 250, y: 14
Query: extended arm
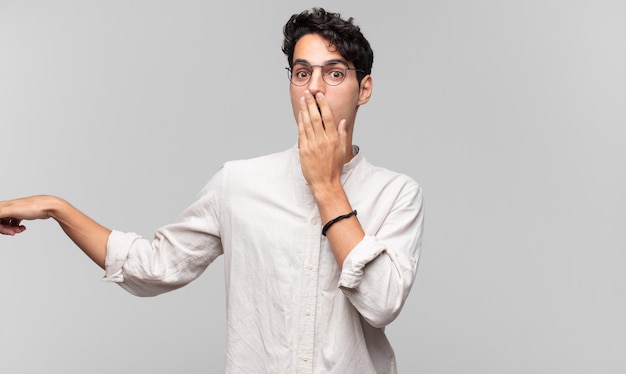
x: 87, y: 234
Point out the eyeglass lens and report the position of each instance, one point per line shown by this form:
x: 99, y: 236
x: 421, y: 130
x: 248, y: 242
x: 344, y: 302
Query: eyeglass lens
x: 333, y: 73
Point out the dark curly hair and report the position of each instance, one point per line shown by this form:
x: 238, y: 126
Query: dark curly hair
x: 342, y: 34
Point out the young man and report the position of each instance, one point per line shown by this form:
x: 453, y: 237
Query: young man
x: 320, y: 247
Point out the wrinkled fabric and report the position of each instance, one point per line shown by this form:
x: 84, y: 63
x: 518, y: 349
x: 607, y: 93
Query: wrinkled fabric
x: 290, y: 309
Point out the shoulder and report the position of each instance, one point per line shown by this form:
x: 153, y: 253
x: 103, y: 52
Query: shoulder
x: 385, y: 177
x: 384, y: 187
x: 253, y: 177
x: 260, y: 174
x: 265, y: 165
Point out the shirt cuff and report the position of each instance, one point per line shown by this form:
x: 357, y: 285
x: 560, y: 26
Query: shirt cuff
x: 362, y: 254
x: 118, y: 247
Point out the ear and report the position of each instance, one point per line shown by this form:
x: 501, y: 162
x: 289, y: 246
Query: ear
x: 365, y: 91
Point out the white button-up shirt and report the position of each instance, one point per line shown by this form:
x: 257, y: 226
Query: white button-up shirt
x: 290, y: 308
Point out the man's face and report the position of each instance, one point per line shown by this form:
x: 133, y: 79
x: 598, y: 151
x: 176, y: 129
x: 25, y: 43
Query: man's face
x: 344, y: 98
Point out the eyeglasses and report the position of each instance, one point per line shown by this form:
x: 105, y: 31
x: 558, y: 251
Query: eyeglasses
x: 333, y: 73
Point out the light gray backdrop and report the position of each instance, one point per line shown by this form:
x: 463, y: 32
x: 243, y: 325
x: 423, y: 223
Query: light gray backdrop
x: 511, y: 114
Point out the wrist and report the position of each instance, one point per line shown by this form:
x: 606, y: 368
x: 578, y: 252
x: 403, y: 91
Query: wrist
x: 337, y: 219
x: 52, y: 206
x: 328, y: 191
x: 332, y: 202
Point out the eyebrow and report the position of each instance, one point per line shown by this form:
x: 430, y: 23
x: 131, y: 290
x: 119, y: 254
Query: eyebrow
x: 333, y: 61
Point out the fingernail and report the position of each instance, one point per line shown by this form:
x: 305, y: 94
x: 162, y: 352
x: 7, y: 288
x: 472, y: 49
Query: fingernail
x: 319, y: 96
x: 307, y: 93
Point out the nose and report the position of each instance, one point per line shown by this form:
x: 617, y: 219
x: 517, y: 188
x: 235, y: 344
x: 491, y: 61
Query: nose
x: 317, y: 84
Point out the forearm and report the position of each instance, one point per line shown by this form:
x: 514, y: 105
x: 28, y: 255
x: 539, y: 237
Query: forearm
x: 82, y: 230
x: 379, y: 272
x: 376, y: 282
x: 86, y: 233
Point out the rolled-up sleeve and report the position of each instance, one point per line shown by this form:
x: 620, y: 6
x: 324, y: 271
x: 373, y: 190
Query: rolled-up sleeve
x: 177, y: 255
x: 118, y: 246
x: 379, y: 272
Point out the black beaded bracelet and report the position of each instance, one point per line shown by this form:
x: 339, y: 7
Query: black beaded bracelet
x: 332, y: 221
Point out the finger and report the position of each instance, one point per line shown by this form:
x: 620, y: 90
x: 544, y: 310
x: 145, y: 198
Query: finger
x: 341, y: 129
x: 306, y: 119
x: 11, y: 230
x: 10, y: 221
x: 342, y: 136
x: 314, y: 112
x: 326, y: 113
x: 301, y: 131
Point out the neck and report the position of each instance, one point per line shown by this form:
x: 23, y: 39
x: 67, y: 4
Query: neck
x: 349, y: 153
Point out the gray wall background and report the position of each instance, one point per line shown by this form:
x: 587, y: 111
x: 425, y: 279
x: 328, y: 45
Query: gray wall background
x: 511, y: 114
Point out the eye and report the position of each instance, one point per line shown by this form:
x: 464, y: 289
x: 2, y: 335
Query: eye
x: 334, y: 72
x: 301, y: 74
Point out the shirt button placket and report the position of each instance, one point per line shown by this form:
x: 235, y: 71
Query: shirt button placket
x: 306, y: 338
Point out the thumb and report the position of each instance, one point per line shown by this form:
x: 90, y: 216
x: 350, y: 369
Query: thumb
x: 342, y: 133
x: 341, y: 128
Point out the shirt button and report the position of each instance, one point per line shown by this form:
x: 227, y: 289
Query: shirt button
x: 305, y: 358
x: 311, y: 267
x: 308, y: 313
x: 314, y: 221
